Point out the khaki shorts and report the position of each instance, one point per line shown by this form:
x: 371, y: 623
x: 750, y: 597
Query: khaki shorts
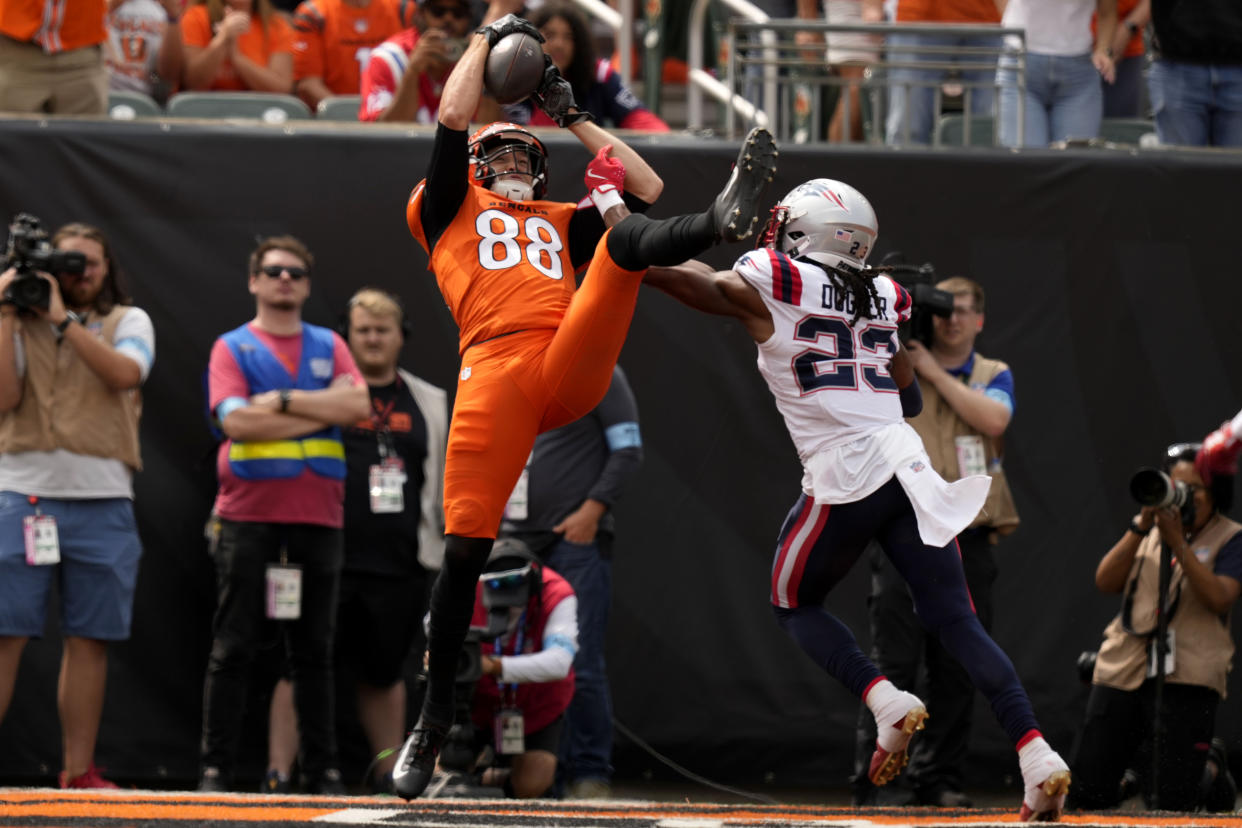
x: 65, y: 83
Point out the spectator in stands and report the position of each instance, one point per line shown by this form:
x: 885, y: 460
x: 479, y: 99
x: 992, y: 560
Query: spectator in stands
x: 597, y: 86
x: 1123, y: 98
x: 1205, y: 582
x: 144, y: 51
x: 848, y: 55
x: 562, y: 509
x: 1063, y: 99
x: 527, y: 668
x: 912, y: 91
x: 394, y: 535
x: 70, y: 371
x: 333, y: 40
x: 237, y: 45
x: 1196, y: 80
x: 49, y: 57
x: 279, y: 389
x: 405, y: 76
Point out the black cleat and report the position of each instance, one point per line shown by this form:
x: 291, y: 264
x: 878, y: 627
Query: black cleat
x: 417, y: 760
x: 736, y: 208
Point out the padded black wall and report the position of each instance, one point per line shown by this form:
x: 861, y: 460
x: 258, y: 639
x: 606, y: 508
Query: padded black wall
x: 1112, y: 292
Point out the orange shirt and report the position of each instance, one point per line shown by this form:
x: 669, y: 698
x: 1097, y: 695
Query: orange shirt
x: 69, y: 24
x: 255, y: 44
x: 1135, y: 45
x: 947, y: 11
x: 333, y: 40
x: 502, y: 265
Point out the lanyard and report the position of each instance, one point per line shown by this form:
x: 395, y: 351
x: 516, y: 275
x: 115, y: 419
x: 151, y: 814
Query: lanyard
x: 380, y: 414
x: 509, y: 691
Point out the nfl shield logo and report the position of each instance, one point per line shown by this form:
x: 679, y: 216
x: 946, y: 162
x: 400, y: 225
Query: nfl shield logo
x: 465, y: 373
x: 917, y: 466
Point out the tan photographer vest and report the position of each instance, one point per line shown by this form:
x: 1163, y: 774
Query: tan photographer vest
x: 1202, y: 645
x: 65, y: 405
x: 939, y: 426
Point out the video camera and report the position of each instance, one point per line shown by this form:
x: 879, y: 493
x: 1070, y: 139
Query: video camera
x: 926, y: 299
x: 1152, y: 487
x: 29, y: 251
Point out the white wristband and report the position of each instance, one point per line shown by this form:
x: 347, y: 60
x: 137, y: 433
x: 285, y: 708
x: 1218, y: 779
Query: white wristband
x: 606, y: 198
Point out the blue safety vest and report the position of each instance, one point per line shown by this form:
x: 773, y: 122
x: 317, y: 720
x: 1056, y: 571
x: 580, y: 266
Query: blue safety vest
x: 323, y: 450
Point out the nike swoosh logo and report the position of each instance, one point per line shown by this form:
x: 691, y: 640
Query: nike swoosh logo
x: 591, y: 174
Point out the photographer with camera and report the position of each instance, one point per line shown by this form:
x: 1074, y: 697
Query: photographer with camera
x: 73, y: 353
x: 405, y: 75
x: 968, y: 401
x: 527, y: 676
x: 1183, y: 510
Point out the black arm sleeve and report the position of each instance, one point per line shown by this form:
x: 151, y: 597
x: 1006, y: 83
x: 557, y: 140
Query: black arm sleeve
x: 447, y: 183
x: 587, y: 226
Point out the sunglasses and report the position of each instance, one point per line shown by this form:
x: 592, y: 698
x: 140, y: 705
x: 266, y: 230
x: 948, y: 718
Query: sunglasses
x: 460, y: 12
x: 274, y: 271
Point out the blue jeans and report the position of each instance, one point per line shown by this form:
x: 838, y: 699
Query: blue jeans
x: 1197, y: 104
x: 586, y: 741
x: 1063, y: 100
x: 912, y: 92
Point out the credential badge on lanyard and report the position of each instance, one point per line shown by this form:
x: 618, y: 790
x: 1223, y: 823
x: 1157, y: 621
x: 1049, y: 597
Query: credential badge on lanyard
x: 284, y: 589
x: 387, y: 478
x: 42, y: 539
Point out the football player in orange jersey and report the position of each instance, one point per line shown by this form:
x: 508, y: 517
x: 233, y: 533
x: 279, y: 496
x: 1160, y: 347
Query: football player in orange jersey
x: 536, y: 354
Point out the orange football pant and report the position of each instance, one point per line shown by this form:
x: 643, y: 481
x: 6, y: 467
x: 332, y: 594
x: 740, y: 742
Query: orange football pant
x: 512, y: 388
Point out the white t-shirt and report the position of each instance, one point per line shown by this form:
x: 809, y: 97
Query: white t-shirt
x: 135, y: 34
x: 64, y: 474
x: 1053, y: 27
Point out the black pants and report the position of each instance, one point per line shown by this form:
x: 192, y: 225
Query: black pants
x: 241, y: 629
x: 900, y: 646
x: 1118, y: 722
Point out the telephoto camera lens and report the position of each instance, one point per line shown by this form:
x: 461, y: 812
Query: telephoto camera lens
x: 1152, y: 487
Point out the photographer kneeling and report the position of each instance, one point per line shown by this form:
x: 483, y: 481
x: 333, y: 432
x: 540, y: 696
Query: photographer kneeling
x: 1204, y: 582
x: 528, y: 679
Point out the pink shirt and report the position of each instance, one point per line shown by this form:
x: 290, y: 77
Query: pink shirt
x: 309, y: 498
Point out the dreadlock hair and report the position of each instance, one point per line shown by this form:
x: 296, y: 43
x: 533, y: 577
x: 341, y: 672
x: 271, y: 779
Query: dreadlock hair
x: 861, y: 287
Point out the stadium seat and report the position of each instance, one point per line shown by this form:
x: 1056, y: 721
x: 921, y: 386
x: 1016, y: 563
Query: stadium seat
x: 1126, y: 130
x: 268, y: 107
x: 126, y: 106
x: 339, y: 108
x: 949, y: 131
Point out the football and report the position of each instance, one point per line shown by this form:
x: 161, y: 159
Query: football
x: 514, y: 68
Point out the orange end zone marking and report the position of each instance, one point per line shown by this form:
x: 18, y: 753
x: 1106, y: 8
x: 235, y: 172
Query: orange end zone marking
x: 179, y: 811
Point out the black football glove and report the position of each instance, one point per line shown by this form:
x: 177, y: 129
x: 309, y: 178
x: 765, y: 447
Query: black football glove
x: 556, y: 97
x: 507, y: 25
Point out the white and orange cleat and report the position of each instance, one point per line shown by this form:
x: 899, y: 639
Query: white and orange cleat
x: 898, y: 716
x: 1045, y: 780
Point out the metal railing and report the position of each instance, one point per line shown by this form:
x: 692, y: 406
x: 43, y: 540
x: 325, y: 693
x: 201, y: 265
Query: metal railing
x: 792, y: 74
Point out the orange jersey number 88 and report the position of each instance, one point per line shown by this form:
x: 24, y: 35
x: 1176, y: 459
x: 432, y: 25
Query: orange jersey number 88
x: 499, y: 247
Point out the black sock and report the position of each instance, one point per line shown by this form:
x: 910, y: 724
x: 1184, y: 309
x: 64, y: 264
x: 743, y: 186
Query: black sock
x: 452, y: 605
x: 638, y: 242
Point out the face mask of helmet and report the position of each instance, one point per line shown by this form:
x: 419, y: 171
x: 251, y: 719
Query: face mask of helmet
x: 826, y: 221
x: 510, y: 162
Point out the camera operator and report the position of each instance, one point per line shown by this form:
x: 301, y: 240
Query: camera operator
x: 968, y: 401
x: 70, y: 370
x: 528, y: 679
x: 1205, y: 581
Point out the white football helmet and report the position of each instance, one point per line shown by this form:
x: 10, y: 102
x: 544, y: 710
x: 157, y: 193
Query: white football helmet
x: 823, y: 220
